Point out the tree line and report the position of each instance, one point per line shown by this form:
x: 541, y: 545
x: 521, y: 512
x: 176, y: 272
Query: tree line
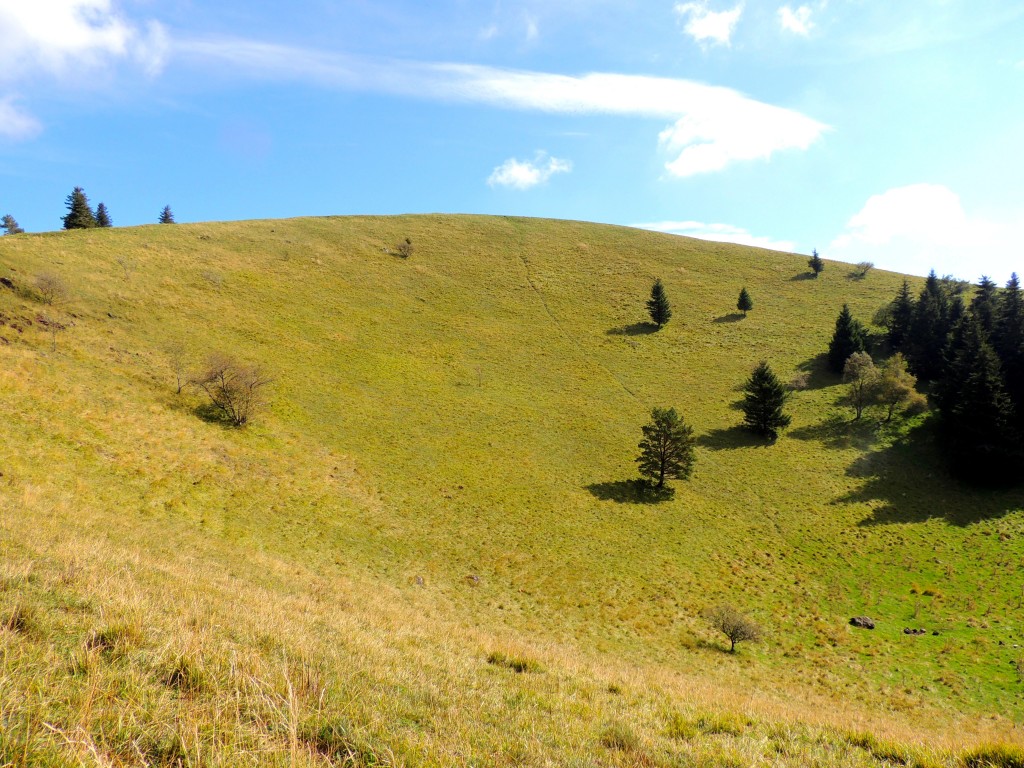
x: 81, y: 215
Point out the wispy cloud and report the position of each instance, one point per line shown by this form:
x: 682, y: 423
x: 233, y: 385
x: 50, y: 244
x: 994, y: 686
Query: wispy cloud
x: 706, y: 26
x: 524, y: 174
x: 15, y: 123
x: 712, y: 126
x: 722, y: 233
x: 796, y: 20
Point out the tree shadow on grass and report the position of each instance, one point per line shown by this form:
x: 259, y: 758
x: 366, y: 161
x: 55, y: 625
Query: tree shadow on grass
x: 732, y: 438
x: 838, y: 431
x: 909, y: 482
x: 634, y: 491
x: 732, y: 317
x: 817, y: 373
x: 802, y: 276
x: 634, y: 329
x: 211, y: 414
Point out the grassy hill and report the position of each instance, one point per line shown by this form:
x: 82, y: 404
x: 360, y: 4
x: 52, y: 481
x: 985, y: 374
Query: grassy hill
x: 428, y: 551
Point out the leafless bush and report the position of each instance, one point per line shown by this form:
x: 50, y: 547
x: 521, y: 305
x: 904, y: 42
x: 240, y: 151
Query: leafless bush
x: 235, y: 389
x: 51, y: 288
x: 861, y: 269
x: 734, y: 625
x: 800, y: 382
x: 404, y: 248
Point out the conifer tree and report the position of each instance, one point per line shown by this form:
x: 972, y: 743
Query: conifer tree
x: 166, y: 217
x: 79, y: 215
x: 658, y: 305
x: 744, y: 304
x: 11, y: 226
x: 103, y: 216
x: 667, y: 448
x: 929, y: 330
x: 763, y: 401
x: 985, y: 305
x: 900, y: 317
x: 816, y: 263
x: 1008, y: 339
x: 848, y: 337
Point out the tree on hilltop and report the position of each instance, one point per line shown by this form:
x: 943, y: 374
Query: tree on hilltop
x: 11, y: 226
x: 744, y: 304
x: 667, y: 448
x: 166, y: 216
x: 103, y: 216
x: 79, y: 215
x: 849, y: 336
x: 816, y: 263
x: 763, y: 399
x: 657, y: 306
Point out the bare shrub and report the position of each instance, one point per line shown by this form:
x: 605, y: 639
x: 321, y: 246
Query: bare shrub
x: 50, y: 288
x: 733, y: 624
x: 800, y: 381
x: 404, y: 248
x: 235, y: 389
x: 861, y: 269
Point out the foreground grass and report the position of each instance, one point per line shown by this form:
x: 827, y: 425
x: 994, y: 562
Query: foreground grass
x: 442, y: 480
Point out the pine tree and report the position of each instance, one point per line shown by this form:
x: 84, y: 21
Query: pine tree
x: 816, y: 263
x: 901, y: 315
x: 79, y: 215
x: 929, y: 329
x: 848, y: 337
x: 11, y: 226
x: 667, y: 448
x: 658, y: 305
x: 166, y: 217
x: 985, y: 305
x: 744, y: 304
x: 102, y: 216
x: 763, y: 400
x: 1008, y: 339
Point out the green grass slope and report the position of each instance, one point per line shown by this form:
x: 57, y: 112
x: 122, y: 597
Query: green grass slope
x: 442, y: 479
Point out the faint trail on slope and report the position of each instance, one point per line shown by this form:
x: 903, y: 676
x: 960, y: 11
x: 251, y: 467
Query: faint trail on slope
x: 561, y: 328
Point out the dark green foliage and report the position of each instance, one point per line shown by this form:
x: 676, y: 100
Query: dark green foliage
x: 901, y: 315
x: 849, y: 336
x: 166, y: 217
x: 10, y: 225
x: 103, y: 216
x: 816, y: 263
x: 667, y: 448
x: 985, y: 305
x: 763, y: 401
x: 1008, y: 339
x: 929, y: 328
x: 744, y: 304
x: 658, y: 305
x: 79, y: 215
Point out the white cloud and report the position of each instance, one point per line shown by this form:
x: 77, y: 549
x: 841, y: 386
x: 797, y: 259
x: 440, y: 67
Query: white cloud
x: 15, y: 123
x: 62, y: 36
x: 524, y: 174
x: 798, y: 21
x: 925, y: 226
x: 722, y: 233
x: 707, y: 26
x: 713, y: 126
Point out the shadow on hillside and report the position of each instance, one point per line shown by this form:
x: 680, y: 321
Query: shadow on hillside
x: 816, y: 372
x: 211, y: 415
x: 634, y: 329
x: 838, y: 431
x: 732, y: 317
x: 908, y: 482
x: 634, y: 491
x: 802, y: 276
x: 732, y: 438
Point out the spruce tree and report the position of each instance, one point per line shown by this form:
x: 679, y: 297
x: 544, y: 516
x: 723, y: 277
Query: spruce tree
x: 763, y: 400
x: 667, y: 448
x: 900, y: 317
x: 166, y: 217
x: 1008, y: 339
x: 102, y: 216
x: 929, y: 329
x: 985, y: 305
x: 744, y: 304
x: 848, y: 337
x: 816, y: 263
x: 79, y: 215
x: 658, y: 305
x: 10, y: 225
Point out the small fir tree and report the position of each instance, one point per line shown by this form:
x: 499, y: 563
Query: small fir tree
x: 667, y: 448
x: 816, y: 263
x: 849, y: 337
x: 744, y: 304
x: 166, y: 216
x: 763, y: 399
x: 79, y: 215
x: 103, y: 216
x: 10, y: 226
x: 658, y: 306
x: 900, y: 316
x: 985, y: 304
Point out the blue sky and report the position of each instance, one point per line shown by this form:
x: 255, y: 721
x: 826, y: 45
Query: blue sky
x: 870, y: 130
